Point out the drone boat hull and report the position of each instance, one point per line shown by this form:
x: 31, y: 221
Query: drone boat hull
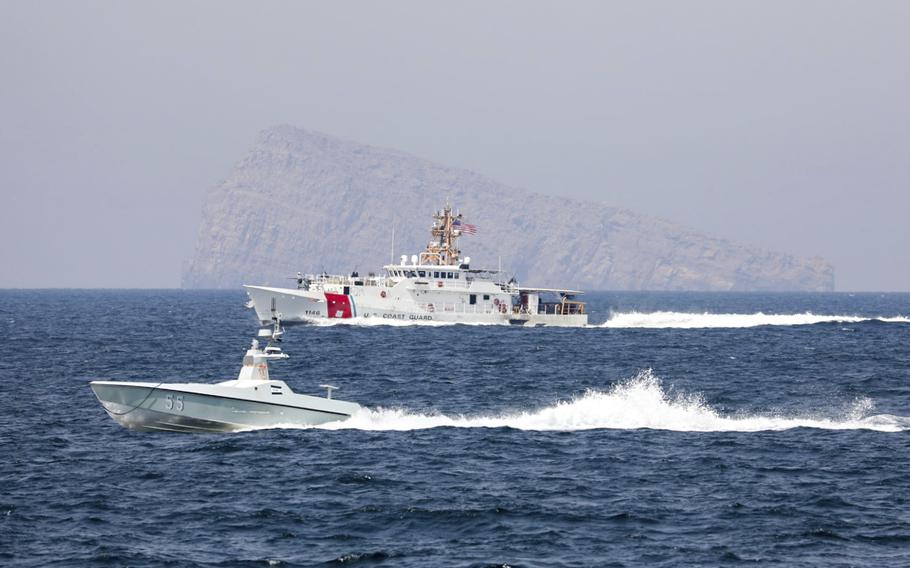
x: 224, y: 407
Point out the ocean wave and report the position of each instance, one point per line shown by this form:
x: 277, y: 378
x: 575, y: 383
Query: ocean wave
x: 686, y: 320
x: 639, y: 402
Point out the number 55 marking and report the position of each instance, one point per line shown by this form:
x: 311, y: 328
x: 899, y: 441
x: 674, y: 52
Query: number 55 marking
x: 172, y: 402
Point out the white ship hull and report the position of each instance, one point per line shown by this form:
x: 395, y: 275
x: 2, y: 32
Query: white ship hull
x: 420, y: 303
x: 435, y: 286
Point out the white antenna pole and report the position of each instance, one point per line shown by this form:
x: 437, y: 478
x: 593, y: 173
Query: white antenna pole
x: 500, y: 263
x: 392, y: 254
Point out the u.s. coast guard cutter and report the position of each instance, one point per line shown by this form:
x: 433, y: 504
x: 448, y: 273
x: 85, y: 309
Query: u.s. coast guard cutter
x: 438, y: 285
x: 252, y: 400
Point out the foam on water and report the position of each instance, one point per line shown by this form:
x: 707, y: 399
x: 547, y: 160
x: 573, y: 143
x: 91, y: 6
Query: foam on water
x: 683, y: 320
x: 640, y: 402
x: 644, y: 320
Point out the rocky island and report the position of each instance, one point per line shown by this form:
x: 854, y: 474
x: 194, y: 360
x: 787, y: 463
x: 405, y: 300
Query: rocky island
x: 306, y: 201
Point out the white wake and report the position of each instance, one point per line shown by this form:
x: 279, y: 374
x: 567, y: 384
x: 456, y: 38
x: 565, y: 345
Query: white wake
x: 640, y: 402
x: 641, y: 320
x: 684, y: 320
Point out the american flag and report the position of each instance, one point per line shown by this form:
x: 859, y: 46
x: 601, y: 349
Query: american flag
x: 465, y: 228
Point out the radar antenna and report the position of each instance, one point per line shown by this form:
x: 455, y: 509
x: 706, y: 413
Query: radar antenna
x: 443, y: 249
x: 274, y: 336
x: 275, y: 332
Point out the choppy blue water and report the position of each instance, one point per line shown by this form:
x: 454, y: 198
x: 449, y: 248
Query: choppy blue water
x: 688, y: 429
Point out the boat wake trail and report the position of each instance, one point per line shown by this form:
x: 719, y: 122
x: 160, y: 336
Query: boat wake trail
x: 683, y: 320
x: 640, y: 402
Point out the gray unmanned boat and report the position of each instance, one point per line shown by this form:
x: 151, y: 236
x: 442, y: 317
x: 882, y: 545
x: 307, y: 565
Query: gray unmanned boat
x: 251, y: 401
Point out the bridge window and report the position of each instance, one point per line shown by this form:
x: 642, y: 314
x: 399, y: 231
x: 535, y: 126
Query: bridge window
x: 472, y: 299
x: 422, y: 273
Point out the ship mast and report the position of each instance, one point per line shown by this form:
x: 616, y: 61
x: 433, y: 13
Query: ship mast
x: 443, y: 249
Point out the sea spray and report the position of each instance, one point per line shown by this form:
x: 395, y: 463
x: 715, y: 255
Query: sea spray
x: 636, y: 403
x: 644, y: 320
x: 684, y: 320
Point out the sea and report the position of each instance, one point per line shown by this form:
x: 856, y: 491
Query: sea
x: 677, y: 429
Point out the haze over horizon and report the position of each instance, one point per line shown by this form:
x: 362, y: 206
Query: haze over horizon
x: 777, y: 124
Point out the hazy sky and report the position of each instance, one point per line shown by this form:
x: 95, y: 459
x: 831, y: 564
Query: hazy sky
x: 784, y: 124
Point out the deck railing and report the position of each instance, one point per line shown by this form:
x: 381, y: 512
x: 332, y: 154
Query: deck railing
x: 560, y: 309
x: 460, y: 308
x: 568, y: 308
x: 320, y: 281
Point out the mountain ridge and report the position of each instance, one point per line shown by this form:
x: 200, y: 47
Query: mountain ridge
x: 306, y: 201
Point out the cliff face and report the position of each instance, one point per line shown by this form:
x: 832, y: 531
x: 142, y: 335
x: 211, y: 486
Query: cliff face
x: 310, y: 202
